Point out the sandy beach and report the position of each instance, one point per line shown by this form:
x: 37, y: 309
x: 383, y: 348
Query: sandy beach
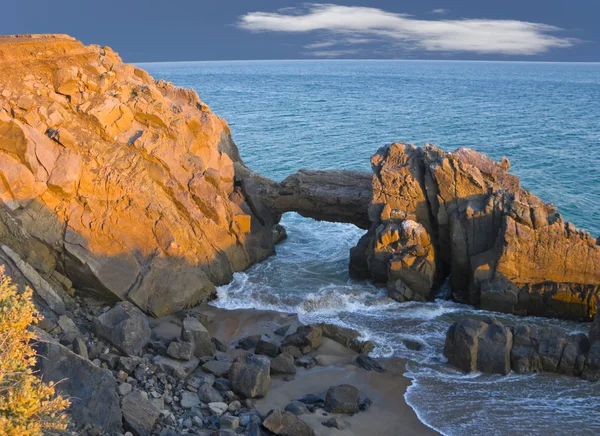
x: 389, y: 413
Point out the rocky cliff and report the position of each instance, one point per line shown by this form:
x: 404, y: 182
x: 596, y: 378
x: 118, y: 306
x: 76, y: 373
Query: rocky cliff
x: 461, y: 215
x: 123, y: 185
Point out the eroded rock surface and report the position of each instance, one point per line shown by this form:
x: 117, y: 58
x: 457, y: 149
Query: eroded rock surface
x: 123, y: 184
x: 491, y: 347
x: 437, y: 214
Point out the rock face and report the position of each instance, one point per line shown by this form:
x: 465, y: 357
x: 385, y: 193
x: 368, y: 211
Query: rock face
x: 437, y: 214
x: 91, y: 390
x: 338, y: 196
x: 125, y: 185
x: 490, y: 347
x: 124, y: 326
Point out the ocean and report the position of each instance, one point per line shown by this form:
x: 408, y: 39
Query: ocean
x: 287, y: 115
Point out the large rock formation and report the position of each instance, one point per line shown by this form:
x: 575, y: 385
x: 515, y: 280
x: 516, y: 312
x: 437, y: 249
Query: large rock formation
x: 437, y: 214
x: 122, y: 184
x: 491, y: 347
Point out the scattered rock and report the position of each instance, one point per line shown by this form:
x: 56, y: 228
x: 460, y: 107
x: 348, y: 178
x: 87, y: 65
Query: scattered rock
x: 283, y: 364
x: 181, y: 350
x: 218, y: 368
x: 218, y: 408
x: 249, y: 375
x: 208, y: 394
x: 286, y: 424
x: 193, y: 331
x: 297, y: 408
x: 267, y: 348
x: 342, y: 399
x: 248, y: 342
x: 139, y: 414
x: 306, y: 338
x: 177, y: 368
x: 281, y: 331
x: 189, y: 400
x: 125, y: 327
x: 334, y: 423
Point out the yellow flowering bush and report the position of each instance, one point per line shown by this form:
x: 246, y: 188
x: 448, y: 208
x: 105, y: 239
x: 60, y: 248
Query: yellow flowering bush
x: 27, y: 406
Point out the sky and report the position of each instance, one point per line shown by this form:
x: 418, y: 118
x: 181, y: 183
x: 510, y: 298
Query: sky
x: 194, y: 30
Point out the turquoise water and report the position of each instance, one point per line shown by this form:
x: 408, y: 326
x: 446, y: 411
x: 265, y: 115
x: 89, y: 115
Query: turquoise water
x: 334, y: 114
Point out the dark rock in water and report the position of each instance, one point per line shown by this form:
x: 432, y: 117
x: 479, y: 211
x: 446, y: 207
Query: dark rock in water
x: 310, y: 399
x: 139, y: 414
x: 90, y: 389
x: 281, y: 331
x: 286, y: 424
x: 334, y: 423
x: 219, y: 346
x: 474, y: 345
x: 124, y: 326
x: 490, y: 347
x: 369, y: 363
x: 249, y: 375
x: 412, y: 345
x: 181, y: 350
x: 266, y: 348
x: 306, y: 338
x: 573, y: 357
x: 283, y: 364
x: 248, y: 342
x: 297, y: 408
x: 193, y: 331
x: 279, y: 235
x: 342, y: 399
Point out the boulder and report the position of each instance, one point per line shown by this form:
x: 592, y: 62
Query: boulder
x: 124, y: 326
x: 139, y: 413
x: 193, y: 331
x: 283, y: 364
x: 267, y: 348
x: 177, y: 368
x: 181, y: 350
x: 189, y: 400
x: 369, y: 363
x: 249, y: 375
x: 286, y: 424
x: 306, y: 338
x: 216, y: 367
x: 342, y: 399
x: 90, y: 389
x: 208, y: 394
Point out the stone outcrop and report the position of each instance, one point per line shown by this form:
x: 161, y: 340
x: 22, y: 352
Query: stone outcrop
x: 461, y: 215
x: 128, y: 187
x: 491, y: 347
x: 337, y: 196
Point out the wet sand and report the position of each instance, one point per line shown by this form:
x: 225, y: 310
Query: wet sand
x: 388, y: 415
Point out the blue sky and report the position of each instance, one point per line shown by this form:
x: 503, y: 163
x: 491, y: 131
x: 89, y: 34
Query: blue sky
x: 179, y: 30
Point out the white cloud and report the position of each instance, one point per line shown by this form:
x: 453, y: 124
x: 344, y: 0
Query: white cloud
x: 332, y: 53
x: 439, y: 11
x: 323, y: 44
x: 482, y: 36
